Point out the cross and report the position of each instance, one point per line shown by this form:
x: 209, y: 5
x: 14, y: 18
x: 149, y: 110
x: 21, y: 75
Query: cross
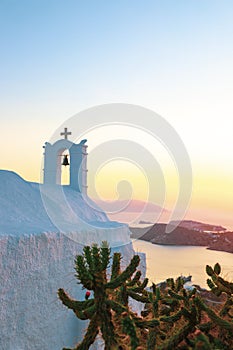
x: 65, y: 133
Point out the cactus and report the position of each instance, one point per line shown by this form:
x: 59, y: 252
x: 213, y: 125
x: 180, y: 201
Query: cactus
x: 217, y: 284
x: 214, y: 317
x: 91, y: 272
x: 132, y: 287
x: 173, y: 318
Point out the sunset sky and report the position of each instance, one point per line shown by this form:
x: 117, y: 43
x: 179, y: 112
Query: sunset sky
x: 174, y: 57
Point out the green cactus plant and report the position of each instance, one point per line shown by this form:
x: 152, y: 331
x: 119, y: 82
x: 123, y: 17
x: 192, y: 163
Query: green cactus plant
x: 91, y: 271
x: 217, y: 284
x: 132, y: 287
x: 173, y: 317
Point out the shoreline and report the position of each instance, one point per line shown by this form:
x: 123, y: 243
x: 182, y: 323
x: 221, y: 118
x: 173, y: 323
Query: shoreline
x: 222, y: 242
x: 181, y: 245
x: 165, y: 261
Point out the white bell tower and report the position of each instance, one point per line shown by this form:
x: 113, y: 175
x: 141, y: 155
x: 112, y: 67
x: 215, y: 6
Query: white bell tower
x: 77, y: 162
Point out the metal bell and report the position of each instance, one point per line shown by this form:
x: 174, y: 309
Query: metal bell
x: 65, y: 161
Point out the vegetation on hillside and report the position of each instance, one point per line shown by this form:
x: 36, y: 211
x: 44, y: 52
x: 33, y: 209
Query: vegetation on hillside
x: 173, y: 317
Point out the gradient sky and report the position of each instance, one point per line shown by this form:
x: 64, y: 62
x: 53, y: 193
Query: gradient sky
x: 174, y: 57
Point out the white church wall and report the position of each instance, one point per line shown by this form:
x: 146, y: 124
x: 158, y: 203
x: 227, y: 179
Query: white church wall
x: 33, y: 267
x: 36, y: 260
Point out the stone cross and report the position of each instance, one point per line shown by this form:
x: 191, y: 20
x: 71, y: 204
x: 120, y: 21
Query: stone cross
x: 65, y: 133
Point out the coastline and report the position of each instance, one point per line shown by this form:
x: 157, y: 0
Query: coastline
x: 165, y: 261
x: 184, y: 237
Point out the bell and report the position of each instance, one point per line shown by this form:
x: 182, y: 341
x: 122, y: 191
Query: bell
x: 65, y: 161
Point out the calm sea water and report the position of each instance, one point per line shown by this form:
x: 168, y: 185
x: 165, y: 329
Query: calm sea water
x: 172, y: 261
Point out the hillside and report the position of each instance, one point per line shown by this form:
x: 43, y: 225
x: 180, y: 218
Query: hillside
x: 199, y: 226
x: 183, y: 236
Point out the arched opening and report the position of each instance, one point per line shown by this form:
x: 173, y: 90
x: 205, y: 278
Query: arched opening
x: 68, y: 174
x: 63, y: 167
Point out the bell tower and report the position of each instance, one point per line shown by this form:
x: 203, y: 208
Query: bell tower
x: 77, y: 162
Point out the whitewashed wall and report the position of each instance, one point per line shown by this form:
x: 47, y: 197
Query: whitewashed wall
x: 32, y: 268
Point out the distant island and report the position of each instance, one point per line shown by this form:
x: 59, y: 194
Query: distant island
x: 188, y: 232
x: 142, y: 222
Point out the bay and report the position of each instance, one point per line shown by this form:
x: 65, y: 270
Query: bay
x: 164, y: 261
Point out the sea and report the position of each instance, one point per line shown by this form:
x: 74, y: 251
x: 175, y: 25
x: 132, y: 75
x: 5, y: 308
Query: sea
x: 164, y: 261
